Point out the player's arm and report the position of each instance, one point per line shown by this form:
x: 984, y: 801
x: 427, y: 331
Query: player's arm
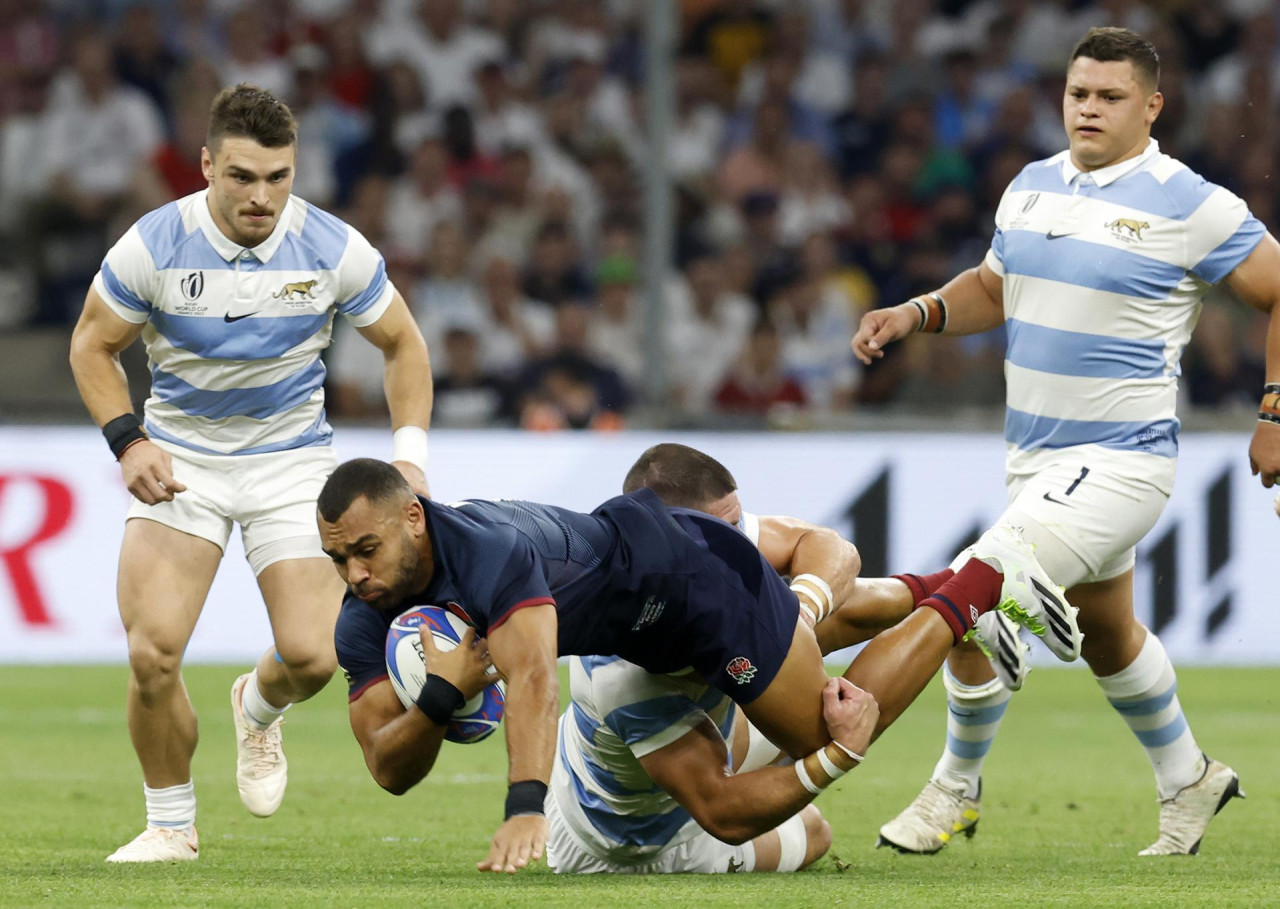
x: 1256, y: 281
x: 409, y: 390
x: 99, y: 337
x: 524, y: 649
x: 974, y: 303
x: 734, y: 808
x: 399, y: 745
x: 823, y: 565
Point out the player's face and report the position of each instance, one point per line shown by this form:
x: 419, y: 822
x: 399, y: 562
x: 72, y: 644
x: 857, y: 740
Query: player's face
x: 728, y: 508
x: 375, y: 550
x: 1107, y: 112
x: 249, y: 185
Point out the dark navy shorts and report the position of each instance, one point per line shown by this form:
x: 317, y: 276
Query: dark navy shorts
x: 707, y: 599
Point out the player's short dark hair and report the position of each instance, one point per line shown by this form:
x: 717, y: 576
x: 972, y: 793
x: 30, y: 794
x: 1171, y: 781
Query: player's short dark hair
x: 1109, y: 44
x: 253, y: 113
x: 682, y: 477
x: 376, y: 480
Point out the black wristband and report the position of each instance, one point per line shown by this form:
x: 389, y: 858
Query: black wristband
x: 1264, y: 417
x: 122, y: 432
x: 1271, y: 388
x: 439, y: 699
x: 526, y: 797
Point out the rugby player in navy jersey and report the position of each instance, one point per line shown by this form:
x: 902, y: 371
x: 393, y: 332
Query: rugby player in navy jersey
x: 667, y: 589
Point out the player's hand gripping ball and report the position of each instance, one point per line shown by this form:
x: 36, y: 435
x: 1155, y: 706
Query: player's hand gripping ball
x: 474, y: 720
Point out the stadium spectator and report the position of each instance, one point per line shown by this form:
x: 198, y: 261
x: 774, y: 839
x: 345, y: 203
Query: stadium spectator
x: 708, y: 326
x: 97, y: 134
x: 810, y: 317
x: 616, y: 333
x: 517, y: 330
x: 757, y: 384
x: 554, y: 273
x: 142, y: 59
x: 423, y: 199
x: 853, y: 115
x: 466, y: 395
x: 593, y: 387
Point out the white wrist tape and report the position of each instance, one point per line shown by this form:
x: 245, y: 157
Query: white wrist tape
x: 409, y: 443
x: 830, y: 770
x: 807, y: 783
x: 815, y: 589
x: 857, y: 757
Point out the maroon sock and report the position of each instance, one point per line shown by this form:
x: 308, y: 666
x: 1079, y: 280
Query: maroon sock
x: 975, y: 589
x: 924, y: 585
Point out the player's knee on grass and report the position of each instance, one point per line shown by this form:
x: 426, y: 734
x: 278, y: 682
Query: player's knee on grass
x: 817, y: 834
x: 795, y: 843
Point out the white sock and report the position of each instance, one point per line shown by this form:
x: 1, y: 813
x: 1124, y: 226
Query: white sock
x: 973, y: 717
x: 1145, y: 694
x: 173, y: 806
x: 257, y: 710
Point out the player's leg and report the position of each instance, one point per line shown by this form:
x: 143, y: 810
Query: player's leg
x: 976, y: 703
x: 789, y: 711
x: 303, y: 593
x: 1134, y: 672
x: 897, y: 664
x: 303, y: 597
x: 794, y: 844
x: 164, y: 577
x: 874, y: 605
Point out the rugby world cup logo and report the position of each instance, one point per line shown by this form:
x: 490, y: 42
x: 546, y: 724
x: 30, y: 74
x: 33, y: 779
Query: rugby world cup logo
x: 740, y: 670
x: 193, y: 285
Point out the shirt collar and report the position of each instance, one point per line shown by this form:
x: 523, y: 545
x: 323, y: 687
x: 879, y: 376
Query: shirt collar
x: 1106, y: 175
x: 228, y: 248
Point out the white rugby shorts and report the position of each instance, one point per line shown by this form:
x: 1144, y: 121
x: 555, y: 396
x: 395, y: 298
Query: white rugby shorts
x: 701, y: 854
x: 271, y: 496
x: 1094, y: 505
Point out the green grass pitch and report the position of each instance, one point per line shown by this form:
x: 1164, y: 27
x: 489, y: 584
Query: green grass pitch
x: 1069, y: 801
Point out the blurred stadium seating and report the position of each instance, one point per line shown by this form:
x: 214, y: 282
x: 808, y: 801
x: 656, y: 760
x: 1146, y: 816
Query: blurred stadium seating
x: 827, y: 156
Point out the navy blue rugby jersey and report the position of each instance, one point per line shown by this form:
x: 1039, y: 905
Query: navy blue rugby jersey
x: 493, y: 557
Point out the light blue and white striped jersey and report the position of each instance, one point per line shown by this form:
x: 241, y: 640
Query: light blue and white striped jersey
x: 618, y: 714
x: 234, y: 334
x: 1103, y: 277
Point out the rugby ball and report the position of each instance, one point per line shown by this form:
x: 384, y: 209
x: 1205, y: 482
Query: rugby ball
x: 474, y: 720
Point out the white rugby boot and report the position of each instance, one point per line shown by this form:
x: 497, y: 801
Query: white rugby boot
x: 1185, y: 817
x: 930, y: 822
x: 997, y: 637
x: 261, y: 769
x: 159, y: 844
x: 1029, y: 597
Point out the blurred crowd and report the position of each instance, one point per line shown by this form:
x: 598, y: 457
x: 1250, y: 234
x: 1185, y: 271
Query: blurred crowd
x: 828, y: 156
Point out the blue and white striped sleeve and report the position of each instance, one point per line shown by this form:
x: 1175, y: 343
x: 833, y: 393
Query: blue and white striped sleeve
x: 364, y: 293
x: 995, y: 255
x: 128, y: 278
x: 1221, y: 234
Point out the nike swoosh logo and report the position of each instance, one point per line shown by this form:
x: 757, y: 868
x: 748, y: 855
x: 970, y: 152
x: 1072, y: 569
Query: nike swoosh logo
x: 1052, y: 236
x: 1049, y: 498
x: 230, y: 318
